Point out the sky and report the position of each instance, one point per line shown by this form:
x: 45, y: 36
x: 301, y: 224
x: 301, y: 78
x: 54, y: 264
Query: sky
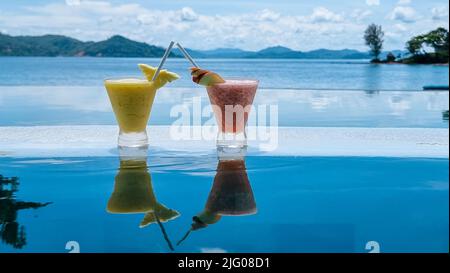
x: 208, y: 24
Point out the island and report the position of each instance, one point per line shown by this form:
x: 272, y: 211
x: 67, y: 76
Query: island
x: 417, y: 53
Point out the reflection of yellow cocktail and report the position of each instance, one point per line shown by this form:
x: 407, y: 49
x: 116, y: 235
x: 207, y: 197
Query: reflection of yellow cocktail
x: 133, y: 193
x: 132, y: 100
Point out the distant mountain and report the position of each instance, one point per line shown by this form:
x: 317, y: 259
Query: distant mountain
x: 56, y: 45
x: 216, y: 53
x: 337, y: 54
x: 278, y: 52
x: 119, y: 46
x: 47, y: 45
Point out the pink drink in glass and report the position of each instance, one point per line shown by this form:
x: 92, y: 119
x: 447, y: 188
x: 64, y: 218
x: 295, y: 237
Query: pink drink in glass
x: 231, y: 103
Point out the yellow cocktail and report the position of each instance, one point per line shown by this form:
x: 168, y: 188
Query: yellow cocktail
x: 132, y: 100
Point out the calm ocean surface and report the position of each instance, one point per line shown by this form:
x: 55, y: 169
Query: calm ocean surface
x: 272, y: 73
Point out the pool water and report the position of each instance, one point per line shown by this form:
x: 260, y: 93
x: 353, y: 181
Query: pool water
x: 303, y: 204
x: 90, y: 105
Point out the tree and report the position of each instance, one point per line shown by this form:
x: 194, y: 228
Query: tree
x: 390, y: 57
x: 438, y: 40
x: 414, y: 45
x: 374, y: 39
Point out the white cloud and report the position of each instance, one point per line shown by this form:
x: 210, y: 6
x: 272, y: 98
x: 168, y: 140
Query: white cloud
x: 359, y: 14
x: 321, y: 27
x: 373, y: 2
x: 269, y: 15
x: 188, y: 14
x: 404, y: 2
x: 81, y: 2
x: 73, y: 2
x: 400, y: 27
x: 404, y: 14
x: 98, y: 20
x: 322, y: 14
x: 439, y: 13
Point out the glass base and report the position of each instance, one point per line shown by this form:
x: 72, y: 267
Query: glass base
x: 225, y: 153
x: 133, y: 153
x: 135, y: 139
x: 231, y: 145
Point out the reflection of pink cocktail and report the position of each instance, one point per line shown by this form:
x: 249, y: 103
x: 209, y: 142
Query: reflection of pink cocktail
x: 231, y: 193
x: 231, y: 102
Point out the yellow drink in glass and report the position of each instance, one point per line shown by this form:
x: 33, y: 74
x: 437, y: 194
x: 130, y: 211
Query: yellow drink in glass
x: 132, y: 101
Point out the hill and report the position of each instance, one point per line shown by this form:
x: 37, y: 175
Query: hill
x: 57, y: 45
x: 119, y: 46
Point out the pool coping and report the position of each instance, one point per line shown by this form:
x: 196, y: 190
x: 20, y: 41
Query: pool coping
x: 101, y: 140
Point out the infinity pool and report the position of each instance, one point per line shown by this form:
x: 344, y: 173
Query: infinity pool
x: 285, y: 204
x: 352, y: 171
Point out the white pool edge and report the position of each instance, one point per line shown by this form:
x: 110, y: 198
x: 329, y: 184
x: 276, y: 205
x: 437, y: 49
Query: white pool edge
x: 101, y: 140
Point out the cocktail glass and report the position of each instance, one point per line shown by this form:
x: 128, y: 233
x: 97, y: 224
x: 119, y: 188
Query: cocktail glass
x: 131, y: 100
x: 231, y: 102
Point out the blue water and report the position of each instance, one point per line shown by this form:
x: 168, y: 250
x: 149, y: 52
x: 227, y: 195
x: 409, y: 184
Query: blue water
x: 303, y: 205
x: 69, y: 105
x: 303, y: 74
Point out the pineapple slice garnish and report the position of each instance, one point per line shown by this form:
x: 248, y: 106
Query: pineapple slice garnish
x: 161, y: 212
x: 163, y: 78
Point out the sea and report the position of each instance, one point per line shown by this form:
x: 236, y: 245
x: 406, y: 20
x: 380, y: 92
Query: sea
x: 272, y: 73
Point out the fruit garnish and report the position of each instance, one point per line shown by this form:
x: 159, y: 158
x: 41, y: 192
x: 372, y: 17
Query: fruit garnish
x: 160, y: 213
x: 205, y: 77
x: 163, y: 78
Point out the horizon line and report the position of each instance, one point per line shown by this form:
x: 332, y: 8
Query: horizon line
x: 210, y: 49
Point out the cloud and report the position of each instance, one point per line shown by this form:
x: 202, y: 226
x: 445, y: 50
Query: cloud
x: 359, y: 14
x: 404, y: 14
x: 79, y: 2
x: 90, y: 20
x: 322, y: 14
x: 269, y: 15
x: 98, y: 20
x: 439, y: 13
x: 404, y: 2
x: 373, y: 2
x: 188, y: 14
x: 73, y: 2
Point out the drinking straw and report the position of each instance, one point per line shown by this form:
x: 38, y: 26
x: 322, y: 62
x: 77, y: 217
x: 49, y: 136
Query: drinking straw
x: 166, y: 237
x: 186, y: 55
x: 163, y: 59
x: 184, y: 237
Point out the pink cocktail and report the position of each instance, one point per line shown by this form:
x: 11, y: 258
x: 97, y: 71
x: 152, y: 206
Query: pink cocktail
x: 232, y: 102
